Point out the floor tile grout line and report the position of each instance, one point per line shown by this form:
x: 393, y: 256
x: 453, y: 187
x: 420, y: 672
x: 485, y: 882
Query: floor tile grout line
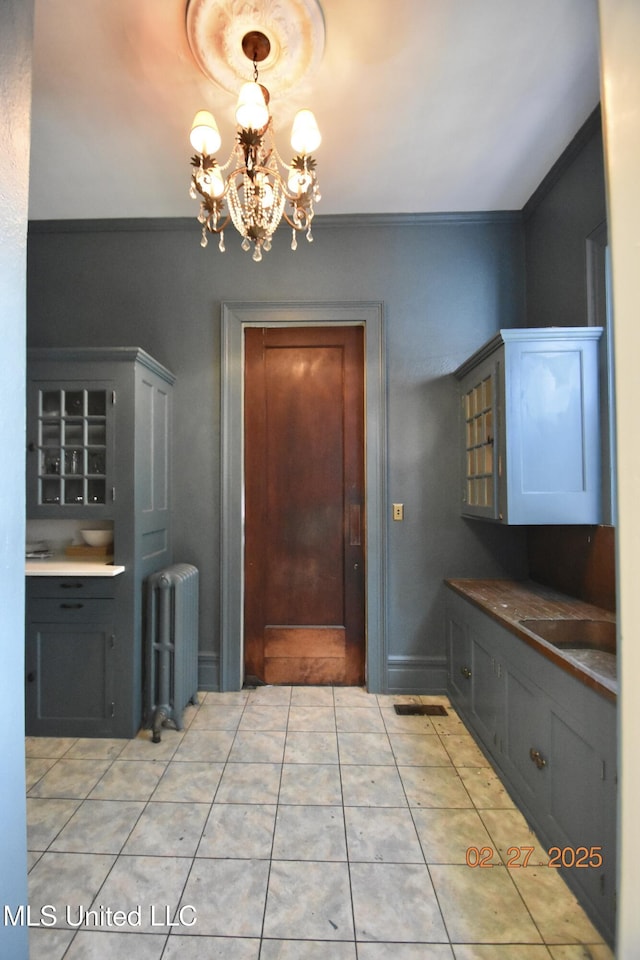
x: 273, y: 838
x: 346, y: 840
x: 433, y: 886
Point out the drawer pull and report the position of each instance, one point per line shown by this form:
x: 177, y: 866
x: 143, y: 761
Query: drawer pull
x: 466, y: 672
x: 71, y: 586
x: 31, y: 676
x: 537, y: 758
x: 71, y: 606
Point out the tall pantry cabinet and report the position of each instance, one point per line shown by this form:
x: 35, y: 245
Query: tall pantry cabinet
x: 99, y: 449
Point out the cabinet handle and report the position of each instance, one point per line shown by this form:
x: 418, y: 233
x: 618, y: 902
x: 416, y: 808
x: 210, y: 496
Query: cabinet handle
x: 466, y: 673
x: 537, y: 758
x: 31, y: 676
x: 71, y: 606
x: 71, y: 586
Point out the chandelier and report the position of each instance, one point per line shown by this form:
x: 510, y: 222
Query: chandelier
x: 255, y: 189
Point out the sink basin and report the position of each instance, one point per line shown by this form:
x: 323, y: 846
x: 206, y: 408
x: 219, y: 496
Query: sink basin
x: 576, y: 634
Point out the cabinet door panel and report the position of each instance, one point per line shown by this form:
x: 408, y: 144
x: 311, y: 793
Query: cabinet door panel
x: 576, y: 796
x: 581, y: 801
x: 487, y: 693
x: 526, y: 731
x: 459, y: 661
x: 69, y: 679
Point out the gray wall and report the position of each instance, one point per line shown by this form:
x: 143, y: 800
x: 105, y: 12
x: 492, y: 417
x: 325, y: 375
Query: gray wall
x: 565, y: 242
x: 567, y: 208
x: 447, y: 284
x: 16, y: 22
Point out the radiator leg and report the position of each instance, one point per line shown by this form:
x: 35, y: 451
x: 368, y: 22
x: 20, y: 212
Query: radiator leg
x: 163, y: 709
x: 159, y: 718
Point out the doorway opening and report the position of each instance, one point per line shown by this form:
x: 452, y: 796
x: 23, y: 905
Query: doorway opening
x: 305, y: 528
x: 236, y: 319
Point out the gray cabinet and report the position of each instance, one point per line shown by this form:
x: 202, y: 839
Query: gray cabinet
x: 526, y: 746
x: 459, y: 658
x: 475, y: 676
x: 552, y: 740
x: 530, y: 427
x: 99, y: 447
x: 70, y: 656
x: 487, y: 690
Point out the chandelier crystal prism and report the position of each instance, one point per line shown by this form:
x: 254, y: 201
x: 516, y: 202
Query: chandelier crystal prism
x: 255, y: 189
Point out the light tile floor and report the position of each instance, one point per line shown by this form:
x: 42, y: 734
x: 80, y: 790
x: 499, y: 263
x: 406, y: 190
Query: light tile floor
x: 288, y: 823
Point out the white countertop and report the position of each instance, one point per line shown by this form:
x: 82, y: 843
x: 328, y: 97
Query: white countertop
x: 61, y: 566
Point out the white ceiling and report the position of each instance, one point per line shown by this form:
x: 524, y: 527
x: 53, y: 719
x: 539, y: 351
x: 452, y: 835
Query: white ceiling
x: 424, y: 105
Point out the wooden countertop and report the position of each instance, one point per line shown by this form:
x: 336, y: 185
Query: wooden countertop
x: 510, y: 601
x: 71, y: 567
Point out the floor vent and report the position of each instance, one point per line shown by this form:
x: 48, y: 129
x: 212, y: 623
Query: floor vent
x: 420, y: 709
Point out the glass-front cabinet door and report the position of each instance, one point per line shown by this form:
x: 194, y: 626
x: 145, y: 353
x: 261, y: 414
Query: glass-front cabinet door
x: 70, y: 448
x: 479, y: 443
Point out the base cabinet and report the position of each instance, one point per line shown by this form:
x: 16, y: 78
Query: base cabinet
x: 553, y: 742
x: 71, y: 646
x: 70, y: 676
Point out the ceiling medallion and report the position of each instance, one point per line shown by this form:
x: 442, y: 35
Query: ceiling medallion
x: 294, y: 30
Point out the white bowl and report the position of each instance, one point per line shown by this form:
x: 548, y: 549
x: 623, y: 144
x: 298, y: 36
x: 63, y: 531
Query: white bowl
x: 97, y: 538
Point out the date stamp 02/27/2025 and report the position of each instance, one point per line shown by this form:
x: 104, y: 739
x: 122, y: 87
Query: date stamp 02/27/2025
x: 577, y: 857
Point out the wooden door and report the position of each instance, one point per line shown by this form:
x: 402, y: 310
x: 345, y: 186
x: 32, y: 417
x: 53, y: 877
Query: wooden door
x: 304, y: 601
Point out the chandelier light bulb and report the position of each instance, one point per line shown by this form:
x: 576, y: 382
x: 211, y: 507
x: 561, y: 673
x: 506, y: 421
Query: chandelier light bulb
x: 205, y: 137
x: 251, y: 111
x: 298, y: 181
x: 211, y: 182
x: 266, y: 191
x: 305, y: 135
x: 267, y: 196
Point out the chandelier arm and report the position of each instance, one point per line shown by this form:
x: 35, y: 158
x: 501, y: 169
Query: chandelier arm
x: 218, y: 228
x: 300, y: 224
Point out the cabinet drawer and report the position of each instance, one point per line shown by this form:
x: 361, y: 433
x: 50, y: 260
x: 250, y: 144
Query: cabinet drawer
x: 71, y: 610
x: 65, y: 587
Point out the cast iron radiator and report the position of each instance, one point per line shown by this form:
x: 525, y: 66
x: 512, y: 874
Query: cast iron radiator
x: 171, y: 645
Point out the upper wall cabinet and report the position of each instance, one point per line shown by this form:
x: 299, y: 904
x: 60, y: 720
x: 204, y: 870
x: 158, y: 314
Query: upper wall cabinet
x: 530, y: 427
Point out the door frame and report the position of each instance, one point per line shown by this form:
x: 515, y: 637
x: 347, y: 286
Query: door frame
x: 235, y: 316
